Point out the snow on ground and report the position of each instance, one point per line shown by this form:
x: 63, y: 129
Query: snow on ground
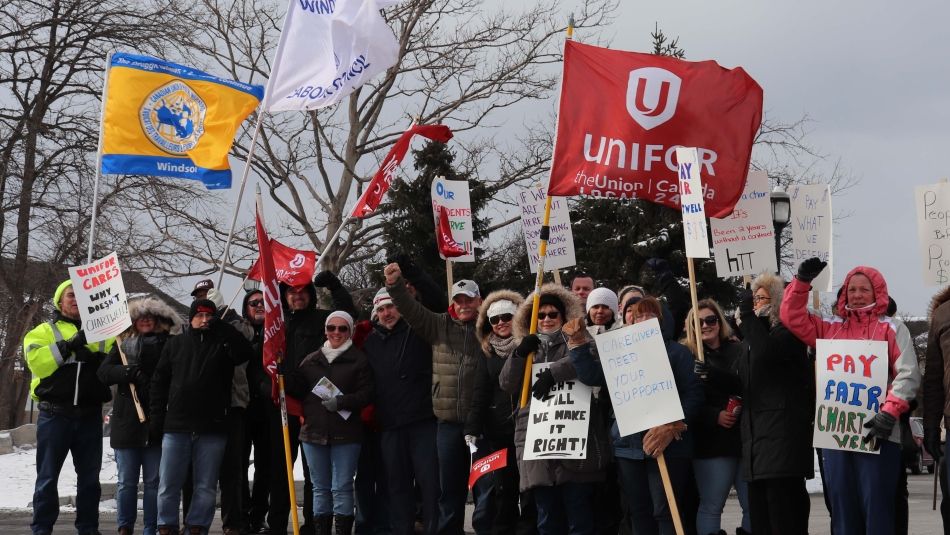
x: 18, y: 473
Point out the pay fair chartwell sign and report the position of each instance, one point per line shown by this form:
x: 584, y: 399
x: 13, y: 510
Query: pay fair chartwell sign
x: 100, y: 294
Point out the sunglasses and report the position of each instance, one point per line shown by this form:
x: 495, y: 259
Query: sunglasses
x: 494, y: 320
x: 758, y: 298
x: 256, y: 303
x: 337, y: 328
x: 709, y: 320
x: 548, y: 315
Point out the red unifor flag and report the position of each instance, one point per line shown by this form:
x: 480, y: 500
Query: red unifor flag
x: 275, y: 342
x: 376, y: 189
x: 622, y: 115
x: 448, y: 247
x: 293, y: 266
x: 486, y: 464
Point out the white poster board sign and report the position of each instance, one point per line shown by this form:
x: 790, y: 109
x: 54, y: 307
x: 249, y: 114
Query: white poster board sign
x: 933, y: 231
x: 744, y: 241
x: 691, y: 203
x: 639, y: 377
x: 560, y: 252
x: 851, y: 385
x: 453, y: 195
x: 557, y: 427
x: 100, y: 294
x: 811, y: 229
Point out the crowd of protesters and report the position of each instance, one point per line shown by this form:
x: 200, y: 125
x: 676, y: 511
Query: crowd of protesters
x: 396, y: 407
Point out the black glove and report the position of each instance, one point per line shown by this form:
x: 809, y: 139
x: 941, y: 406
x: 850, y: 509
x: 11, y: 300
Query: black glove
x: 326, y: 279
x: 744, y: 296
x: 658, y: 265
x: 529, y: 344
x: 77, y: 341
x: 332, y: 404
x: 880, y: 428
x: 135, y: 375
x: 932, y: 444
x: 811, y: 268
x: 542, y: 385
x: 701, y: 369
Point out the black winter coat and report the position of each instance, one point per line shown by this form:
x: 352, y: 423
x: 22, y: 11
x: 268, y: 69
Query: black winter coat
x: 304, y: 328
x: 722, y: 381
x: 778, y: 379
x: 191, y: 386
x: 144, y: 352
x: 492, y: 410
x: 351, y: 374
x: 402, y: 371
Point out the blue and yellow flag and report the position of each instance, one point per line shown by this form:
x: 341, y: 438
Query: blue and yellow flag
x: 165, y: 119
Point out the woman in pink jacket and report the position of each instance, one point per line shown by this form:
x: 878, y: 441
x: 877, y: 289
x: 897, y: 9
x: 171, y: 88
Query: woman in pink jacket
x: 861, y: 486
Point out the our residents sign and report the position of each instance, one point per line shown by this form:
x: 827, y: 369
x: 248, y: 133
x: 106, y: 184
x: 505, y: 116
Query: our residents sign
x: 100, y: 294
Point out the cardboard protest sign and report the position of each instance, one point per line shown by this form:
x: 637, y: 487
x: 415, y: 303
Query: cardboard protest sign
x: 811, y: 228
x: 100, y: 294
x: 851, y: 383
x: 560, y: 252
x: 744, y: 241
x: 691, y: 203
x: 487, y: 465
x: 453, y: 196
x: 557, y: 427
x: 933, y: 231
x: 639, y: 377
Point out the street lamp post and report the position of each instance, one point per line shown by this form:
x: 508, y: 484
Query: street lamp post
x: 781, y: 215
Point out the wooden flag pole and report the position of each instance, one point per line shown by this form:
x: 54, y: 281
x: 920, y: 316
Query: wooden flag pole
x: 692, y: 295
x: 557, y: 276
x: 670, y: 497
x: 449, y: 279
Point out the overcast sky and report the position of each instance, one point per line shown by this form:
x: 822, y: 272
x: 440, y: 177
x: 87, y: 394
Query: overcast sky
x: 873, y: 76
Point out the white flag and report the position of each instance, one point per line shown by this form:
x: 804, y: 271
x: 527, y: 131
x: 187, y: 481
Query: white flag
x: 327, y: 49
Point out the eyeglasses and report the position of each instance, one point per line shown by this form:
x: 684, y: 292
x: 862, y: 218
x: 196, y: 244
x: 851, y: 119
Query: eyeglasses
x: 709, y: 320
x: 548, y: 315
x: 494, y: 320
x: 760, y: 298
x: 337, y: 328
x: 256, y: 303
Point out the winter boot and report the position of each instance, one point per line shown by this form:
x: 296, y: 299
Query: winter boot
x: 740, y: 531
x: 344, y: 524
x: 195, y: 530
x: 323, y: 525
x: 125, y: 530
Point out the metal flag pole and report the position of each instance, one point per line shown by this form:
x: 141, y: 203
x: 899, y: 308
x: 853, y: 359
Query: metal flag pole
x: 95, y: 184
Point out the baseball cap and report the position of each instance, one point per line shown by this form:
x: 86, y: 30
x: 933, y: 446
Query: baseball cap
x: 204, y: 284
x: 466, y: 287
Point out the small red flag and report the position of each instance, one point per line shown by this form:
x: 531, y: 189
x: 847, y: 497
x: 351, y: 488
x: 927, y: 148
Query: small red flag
x: 275, y: 342
x: 377, y: 188
x: 486, y: 464
x: 293, y: 266
x: 622, y: 115
x: 448, y: 247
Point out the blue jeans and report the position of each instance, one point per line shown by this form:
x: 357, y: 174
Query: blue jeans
x: 128, y: 462
x: 861, y: 488
x: 80, y: 434
x: 714, y: 477
x: 204, y: 451
x: 332, y: 469
x: 565, y: 508
x: 454, y: 465
x: 646, y: 498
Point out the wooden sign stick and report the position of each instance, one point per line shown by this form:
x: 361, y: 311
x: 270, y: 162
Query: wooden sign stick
x: 135, y: 394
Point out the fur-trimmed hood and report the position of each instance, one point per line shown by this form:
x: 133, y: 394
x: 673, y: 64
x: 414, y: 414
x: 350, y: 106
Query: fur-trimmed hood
x: 482, y: 327
x: 572, y: 306
x: 167, y: 320
x: 942, y: 297
x: 776, y: 288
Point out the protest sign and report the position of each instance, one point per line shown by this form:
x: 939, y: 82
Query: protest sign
x: 691, y: 203
x: 557, y: 426
x: 453, y: 196
x: 639, y: 377
x: 560, y: 252
x: 933, y: 231
x: 100, y: 294
x: 851, y: 382
x: 744, y: 241
x: 486, y: 465
x: 811, y: 228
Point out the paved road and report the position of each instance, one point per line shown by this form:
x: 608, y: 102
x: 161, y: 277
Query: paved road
x: 923, y: 521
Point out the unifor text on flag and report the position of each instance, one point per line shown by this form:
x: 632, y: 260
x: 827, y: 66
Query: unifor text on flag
x: 623, y: 114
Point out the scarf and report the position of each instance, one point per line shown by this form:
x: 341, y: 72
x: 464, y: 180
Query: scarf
x: 503, y: 347
x: 331, y: 354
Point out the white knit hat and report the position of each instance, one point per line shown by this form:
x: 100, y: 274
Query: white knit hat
x: 602, y: 296
x: 499, y: 307
x: 340, y: 314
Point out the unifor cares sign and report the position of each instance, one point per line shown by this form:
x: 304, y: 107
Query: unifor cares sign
x: 623, y: 114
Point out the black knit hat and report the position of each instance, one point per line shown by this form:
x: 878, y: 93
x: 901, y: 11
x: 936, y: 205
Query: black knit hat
x: 202, y: 305
x: 551, y: 299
